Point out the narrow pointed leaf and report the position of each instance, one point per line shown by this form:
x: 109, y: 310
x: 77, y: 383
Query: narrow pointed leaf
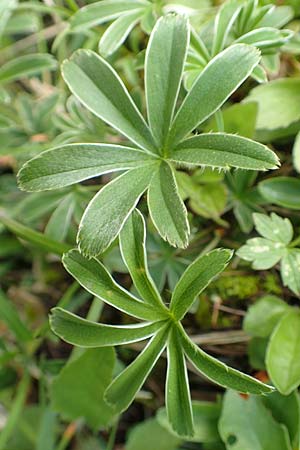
x: 223, y: 23
x: 178, y: 399
x: 108, y: 210
x: 93, y: 276
x: 266, y: 37
x: 225, y: 151
x: 100, y: 12
x: 59, y: 223
x: 219, y: 372
x: 84, y: 333
x: 121, y: 392
x: 118, y: 31
x: 69, y: 164
x: 26, y: 65
x: 195, y: 279
x: 166, y: 208
x: 220, y: 78
x: 165, y: 57
x: 133, y: 249
x: 105, y: 95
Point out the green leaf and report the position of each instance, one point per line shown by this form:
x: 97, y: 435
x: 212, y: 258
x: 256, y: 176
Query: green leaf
x: 253, y: 427
x: 150, y: 435
x: 10, y: 316
x: 59, y: 223
x: 105, y: 95
x: 104, y: 11
x: 26, y: 65
x: 178, y: 401
x: 218, y: 372
x: 165, y: 57
x: 69, y: 164
x: 296, y: 153
x: 282, y: 360
x: 263, y: 316
x: 85, y: 333
x: 166, y: 208
x: 93, y: 276
x: 107, y: 212
x: 196, y: 278
x: 224, y: 21
x: 78, y: 390
x: 263, y: 253
x: 121, y: 392
x: 206, y: 416
x: 289, y: 270
x: 282, y: 191
x: 224, y: 151
x: 266, y: 37
x: 274, y: 227
x: 118, y: 31
x: 133, y: 248
x: 209, y: 200
x: 220, y: 78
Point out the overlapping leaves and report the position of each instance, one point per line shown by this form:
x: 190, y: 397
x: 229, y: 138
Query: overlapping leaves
x: 159, y: 323
x: 163, y: 145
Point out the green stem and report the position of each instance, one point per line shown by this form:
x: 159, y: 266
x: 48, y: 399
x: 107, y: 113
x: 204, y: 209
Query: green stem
x: 295, y: 242
x: 112, y: 437
x: 15, y: 412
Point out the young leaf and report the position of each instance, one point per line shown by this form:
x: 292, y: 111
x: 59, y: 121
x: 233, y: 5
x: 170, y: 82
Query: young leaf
x: 267, y: 37
x: 93, y: 276
x: 263, y: 253
x: 26, y: 65
x: 118, y: 31
x: 121, y: 392
x: 225, y: 151
x: 166, y: 208
x: 100, y: 12
x: 220, y: 78
x: 224, y: 21
x: 84, y: 333
x: 105, y: 95
x: 59, y: 223
x: 69, y: 164
x: 132, y: 245
x: 274, y: 227
x: 178, y: 401
x: 107, y: 212
x: 282, y: 359
x: 195, y: 279
x: 218, y: 372
x: 165, y: 57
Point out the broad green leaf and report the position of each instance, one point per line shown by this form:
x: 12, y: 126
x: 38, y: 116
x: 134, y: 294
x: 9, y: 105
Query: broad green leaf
x: 224, y: 151
x: 263, y: 253
x: 266, y: 37
x: 85, y: 333
x: 209, y: 200
x: 195, y: 279
x: 289, y: 270
x: 220, y: 78
x: 263, y: 316
x: 282, y: 360
x: 165, y: 57
x: 78, y: 390
x: 133, y: 248
x: 246, y: 424
x: 118, y: 31
x: 104, y: 11
x: 166, y: 208
x: 218, y: 372
x: 26, y: 65
x: 39, y: 240
x: 59, y: 223
x: 69, y: 164
x: 282, y: 191
x: 206, y: 416
x: 10, y: 316
x: 274, y: 227
x: 93, y: 276
x: 150, y: 435
x: 224, y: 21
x: 105, y: 95
x: 178, y: 401
x: 107, y: 212
x: 121, y: 392
x: 296, y: 153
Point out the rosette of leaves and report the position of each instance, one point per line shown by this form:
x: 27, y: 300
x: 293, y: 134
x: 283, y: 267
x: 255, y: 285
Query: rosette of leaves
x: 160, y: 323
x: 159, y: 146
x: 247, y: 23
x: 273, y: 247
